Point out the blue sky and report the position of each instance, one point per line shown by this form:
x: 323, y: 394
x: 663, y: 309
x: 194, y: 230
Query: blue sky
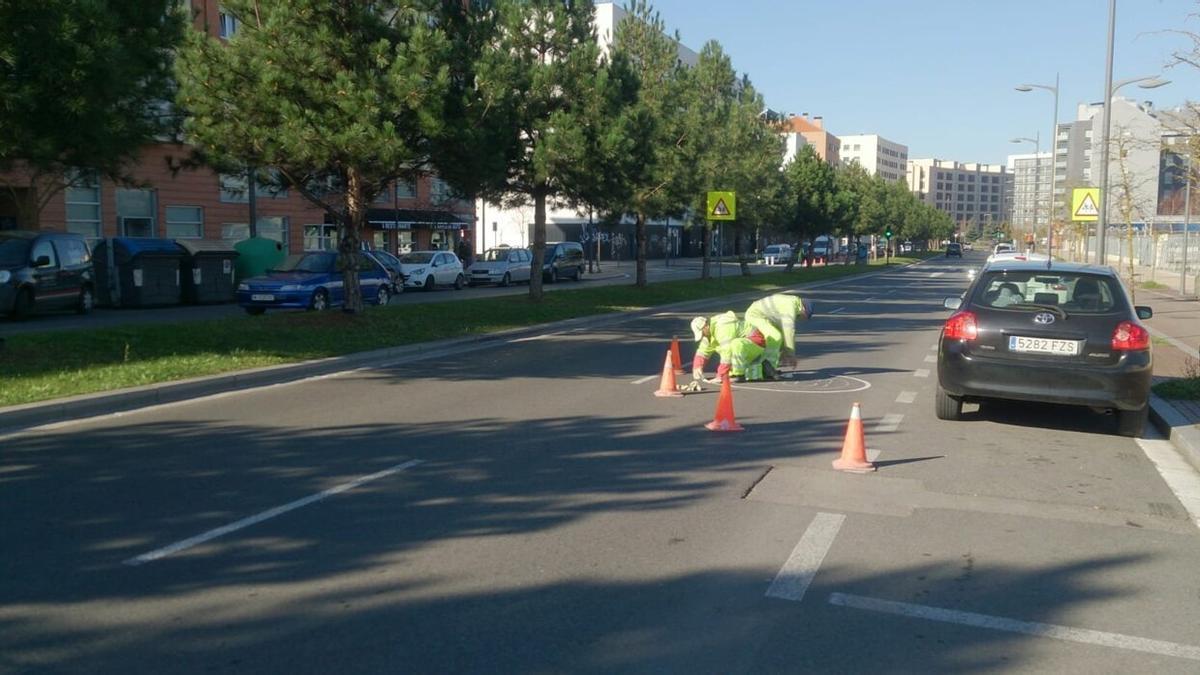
x: 938, y: 75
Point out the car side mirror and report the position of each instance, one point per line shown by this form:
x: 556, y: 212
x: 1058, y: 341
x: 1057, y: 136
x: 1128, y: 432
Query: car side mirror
x: 42, y: 261
x: 952, y: 303
x: 1144, y: 312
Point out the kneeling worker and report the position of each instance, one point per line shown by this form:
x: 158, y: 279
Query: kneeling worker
x: 739, y: 346
x: 775, y: 317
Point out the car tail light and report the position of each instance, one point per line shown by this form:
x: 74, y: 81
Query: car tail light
x: 961, y: 326
x: 1130, y: 337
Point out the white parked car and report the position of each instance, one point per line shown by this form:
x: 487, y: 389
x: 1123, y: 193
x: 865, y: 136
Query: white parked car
x: 777, y: 254
x: 501, y: 266
x: 429, y: 269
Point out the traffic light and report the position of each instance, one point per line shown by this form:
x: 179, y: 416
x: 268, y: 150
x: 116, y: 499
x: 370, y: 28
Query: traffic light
x: 887, y: 233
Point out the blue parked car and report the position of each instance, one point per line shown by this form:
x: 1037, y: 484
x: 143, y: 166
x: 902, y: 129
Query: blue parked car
x: 311, y: 281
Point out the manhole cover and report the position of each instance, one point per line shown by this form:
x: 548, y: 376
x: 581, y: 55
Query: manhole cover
x: 808, y: 383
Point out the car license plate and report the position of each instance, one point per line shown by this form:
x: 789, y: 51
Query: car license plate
x: 1033, y: 345
x: 261, y: 297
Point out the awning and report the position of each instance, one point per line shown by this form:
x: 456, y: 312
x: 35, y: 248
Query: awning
x: 407, y: 219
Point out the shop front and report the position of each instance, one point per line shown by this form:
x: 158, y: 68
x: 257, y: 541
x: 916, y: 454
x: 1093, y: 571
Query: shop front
x: 403, y: 230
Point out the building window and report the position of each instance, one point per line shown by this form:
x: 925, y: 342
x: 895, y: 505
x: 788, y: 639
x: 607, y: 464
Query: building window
x: 320, y: 237
x: 441, y: 192
x: 269, y: 227
x: 406, y: 189
x: 83, y: 205
x: 235, y: 188
x: 135, y: 213
x: 185, y: 222
x: 228, y: 24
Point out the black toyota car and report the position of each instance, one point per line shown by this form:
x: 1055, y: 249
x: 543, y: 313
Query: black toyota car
x: 1055, y: 333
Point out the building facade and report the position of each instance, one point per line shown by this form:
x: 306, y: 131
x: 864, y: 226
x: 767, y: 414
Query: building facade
x: 1031, y: 187
x: 876, y: 154
x: 827, y: 146
x: 974, y: 195
x: 172, y: 198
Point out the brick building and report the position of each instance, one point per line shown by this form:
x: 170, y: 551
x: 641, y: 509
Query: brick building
x: 175, y: 201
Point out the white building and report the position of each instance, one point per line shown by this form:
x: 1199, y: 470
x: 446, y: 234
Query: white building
x: 793, y: 143
x: 1032, y: 185
x: 876, y: 154
x: 1134, y: 156
x: 974, y: 195
x: 513, y: 226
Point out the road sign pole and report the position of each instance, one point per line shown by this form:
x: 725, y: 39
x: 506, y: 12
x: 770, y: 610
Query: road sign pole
x: 1187, y: 212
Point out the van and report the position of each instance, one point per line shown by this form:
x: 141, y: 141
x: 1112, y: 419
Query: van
x: 564, y: 259
x: 777, y: 254
x: 45, y: 270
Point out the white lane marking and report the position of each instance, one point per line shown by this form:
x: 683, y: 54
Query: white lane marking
x: 1182, y: 346
x: 921, y: 372
x: 938, y: 274
x: 178, y: 546
x: 802, y: 565
x: 1047, y: 630
x: 906, y: 397
x: 891, y: 291
x: 645, y: 379
x: 933, y: 347
x: 889, y: 423
x: 1180, y: 476
x: 871, y: 299
x: 835, y: 311
x: 930, y: 358
x: 862, y: 385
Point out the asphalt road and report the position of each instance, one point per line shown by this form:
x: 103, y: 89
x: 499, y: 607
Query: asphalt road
x: 562, y: 519
x: 612, y: 273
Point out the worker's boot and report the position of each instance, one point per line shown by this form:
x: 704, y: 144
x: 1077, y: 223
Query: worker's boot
x: 769, y: 372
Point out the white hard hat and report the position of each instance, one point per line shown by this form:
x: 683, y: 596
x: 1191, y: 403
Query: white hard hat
x: 698, y: 325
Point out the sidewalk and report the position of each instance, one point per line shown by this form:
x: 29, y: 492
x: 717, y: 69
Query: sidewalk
x: 1175, y: 329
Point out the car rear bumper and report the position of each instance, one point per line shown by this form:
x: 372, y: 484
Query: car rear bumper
x: 1123, y: 386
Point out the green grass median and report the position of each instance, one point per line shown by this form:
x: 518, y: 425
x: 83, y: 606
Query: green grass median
x: 42, y: 366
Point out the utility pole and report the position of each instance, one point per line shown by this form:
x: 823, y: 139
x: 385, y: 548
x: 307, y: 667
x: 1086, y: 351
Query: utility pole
x: 1102, y: 222
x: 1187, y: 212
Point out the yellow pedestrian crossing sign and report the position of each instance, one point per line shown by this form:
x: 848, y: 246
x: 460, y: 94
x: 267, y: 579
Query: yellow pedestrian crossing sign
x: 722, y: 206
x: 1085, y: 204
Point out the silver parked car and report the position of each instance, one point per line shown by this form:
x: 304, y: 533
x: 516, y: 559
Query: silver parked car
x: 501, y: 266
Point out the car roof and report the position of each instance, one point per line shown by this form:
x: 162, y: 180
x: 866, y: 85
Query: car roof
x: 1013, y: 265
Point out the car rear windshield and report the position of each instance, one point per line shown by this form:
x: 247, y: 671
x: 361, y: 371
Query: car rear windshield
x: 422, y: 258
x: 308, y: 262
x: 13, y: 252
x: 496, y: 255
x: 1071, y: 291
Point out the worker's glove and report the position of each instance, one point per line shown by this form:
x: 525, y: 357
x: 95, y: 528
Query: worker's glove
x: 697, y: 374
x: 692, y: 387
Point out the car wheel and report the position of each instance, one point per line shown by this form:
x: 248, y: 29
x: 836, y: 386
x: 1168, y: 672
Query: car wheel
x: 87, y: 300
x: 506, y: 280
x: 23, y: 306
x: 384, y: 296
x: 459, y: 282
x: 1131, y: 422
x: 578, y: 274
x: 554, y: 275
x: 428, y: 283
x: 320, y: 301
x: 946, y: 406
x: 255, y: 311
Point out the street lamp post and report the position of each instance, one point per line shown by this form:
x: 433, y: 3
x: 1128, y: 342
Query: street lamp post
x: 1053, y: 146
x: 1037, y: 175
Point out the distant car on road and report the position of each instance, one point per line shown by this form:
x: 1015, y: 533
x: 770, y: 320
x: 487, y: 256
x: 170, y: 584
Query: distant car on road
x: 953, y: 249
x: 430, y: 269
x: 564, y: 259
x: 502, y: 266
x: 778, y: 254
x: 312, y: 281
x: 967, y: 246
x: 1064, y: 335
x: 45, y: 270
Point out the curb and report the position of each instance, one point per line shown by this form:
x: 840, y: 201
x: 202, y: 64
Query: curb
x: 1176, y: 428
x: 25, y: 416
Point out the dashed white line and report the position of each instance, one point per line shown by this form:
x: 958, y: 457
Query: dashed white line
x: 645, y: 379
x: 889, y: 423
x: 1046, y: 630
x: 802, y: 565
x: 930, y: 358
x: 938, y: 274
x: 839, y: 309
x: 1180, y: 476
x: 906, y: 397
x: 933, y: 347
x: 921, y: 372
x: 178, y: 546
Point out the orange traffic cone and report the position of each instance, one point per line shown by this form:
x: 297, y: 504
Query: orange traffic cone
x: 723, y: 419
x: 666, y: 386
x: 676, y: 359
x: 854, y: 448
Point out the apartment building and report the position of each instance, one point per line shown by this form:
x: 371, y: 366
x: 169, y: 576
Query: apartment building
x: 1031, y: 187
x: 876, y: 154
x: 974, y: 195
x: 813, y: 132
x: 175, y: 200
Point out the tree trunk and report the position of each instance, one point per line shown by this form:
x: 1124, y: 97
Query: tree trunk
x: 742, y: 242
x: 350, y: 242
x: 705, y: 273
x: 539, y: 245
x: 639, y: 228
